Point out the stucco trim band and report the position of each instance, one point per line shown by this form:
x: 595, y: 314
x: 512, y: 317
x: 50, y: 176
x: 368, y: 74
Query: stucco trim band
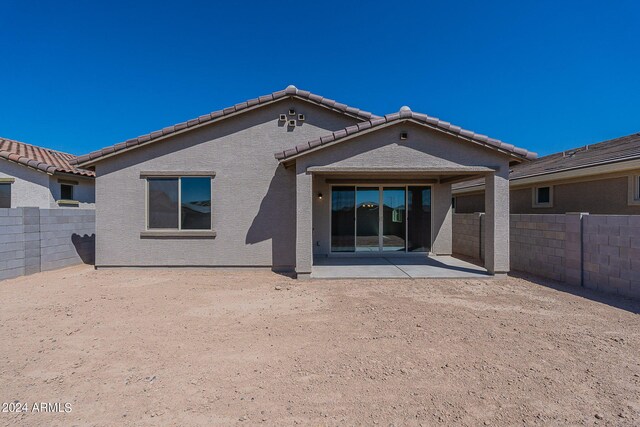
x: 146, y: 174
x: 178, y: 234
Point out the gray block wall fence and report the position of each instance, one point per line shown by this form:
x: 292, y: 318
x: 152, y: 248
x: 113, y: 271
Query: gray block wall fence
x: 34, y: 240
x: 600, y: 252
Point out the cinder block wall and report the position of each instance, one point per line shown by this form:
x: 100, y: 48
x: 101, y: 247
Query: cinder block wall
x: 596, y: 251
x: 467, y: 235
x: 34, y: 240
x: 611, y: 251
x: 537, y: 245
x: 67, y: 237
x: 12, y: 252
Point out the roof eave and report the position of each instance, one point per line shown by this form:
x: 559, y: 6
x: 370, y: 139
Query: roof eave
x: 570, y: 173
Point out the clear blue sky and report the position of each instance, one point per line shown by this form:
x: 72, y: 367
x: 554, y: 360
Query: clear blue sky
x: 544, y: 75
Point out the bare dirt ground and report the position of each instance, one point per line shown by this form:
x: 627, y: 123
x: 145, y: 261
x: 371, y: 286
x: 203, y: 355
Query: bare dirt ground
x: 211, y: 347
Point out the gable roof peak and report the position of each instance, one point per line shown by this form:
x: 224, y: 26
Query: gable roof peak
x: 405, y: 108
x: 289, y: 92
x: 403, y: 115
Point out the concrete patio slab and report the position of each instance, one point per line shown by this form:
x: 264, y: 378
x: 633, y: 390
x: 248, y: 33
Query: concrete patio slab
x: 394, y: 268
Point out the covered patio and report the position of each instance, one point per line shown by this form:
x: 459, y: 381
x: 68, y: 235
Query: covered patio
x: 375, y: 201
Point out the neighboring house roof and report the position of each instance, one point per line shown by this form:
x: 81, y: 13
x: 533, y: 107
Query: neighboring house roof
x: 405, y: 114
x: 290, y: 92
x: 40, y: 158
x: 612, y: 151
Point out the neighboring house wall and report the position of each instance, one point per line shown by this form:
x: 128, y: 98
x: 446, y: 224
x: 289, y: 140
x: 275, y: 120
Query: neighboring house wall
x: 253, y: 196
x: 384, y: 149
x: 470, y: 203
x: 34, y: 240
x: 33, y: 188
x: 609, y: 196
x: 30, y: 188
x: 605, y: 196
x: 83, y: 191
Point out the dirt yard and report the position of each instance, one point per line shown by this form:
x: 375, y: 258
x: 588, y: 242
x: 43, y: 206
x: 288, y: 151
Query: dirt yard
x: 211, y: 347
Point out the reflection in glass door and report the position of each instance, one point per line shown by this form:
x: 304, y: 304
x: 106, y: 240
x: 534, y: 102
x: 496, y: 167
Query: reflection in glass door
x: 393, y: 219
x: 419, y: 219
x: 358, y: 224
x: 343, y: 201
x: 367, y: 219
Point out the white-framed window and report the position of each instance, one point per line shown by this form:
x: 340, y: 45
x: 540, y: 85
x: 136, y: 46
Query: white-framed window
x: 542, y: 196
x: 5, y: 194
x: 179, y: 203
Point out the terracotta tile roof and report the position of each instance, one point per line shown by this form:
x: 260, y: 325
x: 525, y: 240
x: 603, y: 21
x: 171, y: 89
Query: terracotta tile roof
x: 291, y: 91
x: 406, y: 114
x: 613, y: 150
x: 43, y: 159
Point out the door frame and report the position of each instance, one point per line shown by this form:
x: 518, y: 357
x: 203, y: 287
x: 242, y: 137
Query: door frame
x: 380, y: 251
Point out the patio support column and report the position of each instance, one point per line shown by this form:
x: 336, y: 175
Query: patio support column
x: 304, y: 224
x: 496, y: 253
x: 442, y: 220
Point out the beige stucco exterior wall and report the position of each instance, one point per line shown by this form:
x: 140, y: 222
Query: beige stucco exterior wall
x: 253, y: 196
x: 606, y: 196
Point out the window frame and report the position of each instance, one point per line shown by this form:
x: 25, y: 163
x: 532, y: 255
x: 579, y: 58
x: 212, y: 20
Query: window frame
x: 634, y: 190
x: 178, y: 232
x: 71, y: 186
x: 534, y: 197
x: 8, y: 182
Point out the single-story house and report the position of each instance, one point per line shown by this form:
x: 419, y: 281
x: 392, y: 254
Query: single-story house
x: 278, y: 180
x: 602, y: 178
x: 32, y: 176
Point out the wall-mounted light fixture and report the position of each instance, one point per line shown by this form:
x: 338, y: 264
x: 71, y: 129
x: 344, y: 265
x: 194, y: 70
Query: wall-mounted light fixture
x: 320, y: 196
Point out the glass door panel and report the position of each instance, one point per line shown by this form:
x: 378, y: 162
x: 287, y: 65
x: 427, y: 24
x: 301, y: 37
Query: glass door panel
x: 367, y: 219
x: 393, y: 219
x: 343, y: 231
x: 419, y: 219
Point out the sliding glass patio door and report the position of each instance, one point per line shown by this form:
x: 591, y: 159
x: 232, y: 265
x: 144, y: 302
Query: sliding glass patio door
x: 381, y: 219
x: 394, y: 224
x: 367, y: 219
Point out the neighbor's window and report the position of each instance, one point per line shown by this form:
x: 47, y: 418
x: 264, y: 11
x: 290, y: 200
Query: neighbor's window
x: 182, y: 203
x: 638, y: 187
x: 542, y: 197
x: 5, y: 195
x: 66, y: 192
